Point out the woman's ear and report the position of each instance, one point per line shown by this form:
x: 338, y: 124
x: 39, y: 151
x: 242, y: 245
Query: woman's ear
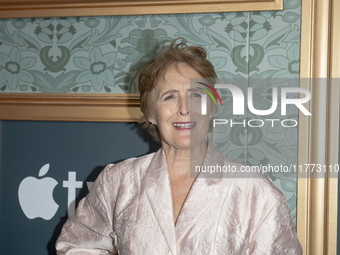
x: 151, y: 112
x: 151, y: 119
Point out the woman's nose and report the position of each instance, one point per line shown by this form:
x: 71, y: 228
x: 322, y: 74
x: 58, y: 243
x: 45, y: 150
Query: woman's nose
x: 184, y: 107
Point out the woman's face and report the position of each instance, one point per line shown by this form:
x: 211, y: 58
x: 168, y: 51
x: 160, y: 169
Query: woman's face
x: 177, y: 109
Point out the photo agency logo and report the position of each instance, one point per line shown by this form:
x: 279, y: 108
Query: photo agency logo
x: 204, y: 97
x: 239, y: 105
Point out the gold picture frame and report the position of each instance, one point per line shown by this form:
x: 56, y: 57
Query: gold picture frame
x: 317, y: 194
x: 317, y: 198
x: 72, y: 8
x: 70, y: 107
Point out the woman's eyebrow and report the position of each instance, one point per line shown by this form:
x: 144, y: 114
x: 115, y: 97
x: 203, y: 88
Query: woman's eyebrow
x: 195, y: 90
x: 168, y: 91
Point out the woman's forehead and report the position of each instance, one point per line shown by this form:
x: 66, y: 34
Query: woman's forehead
x: 181, y: 70
x: 177, y: 76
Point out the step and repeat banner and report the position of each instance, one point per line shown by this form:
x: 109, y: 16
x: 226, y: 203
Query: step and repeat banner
x: 47, y: 167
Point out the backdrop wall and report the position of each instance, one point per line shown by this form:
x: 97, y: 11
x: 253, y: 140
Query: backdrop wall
x: 104, y: 55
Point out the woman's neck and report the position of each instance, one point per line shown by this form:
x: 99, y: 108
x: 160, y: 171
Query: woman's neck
x: 179, y: 160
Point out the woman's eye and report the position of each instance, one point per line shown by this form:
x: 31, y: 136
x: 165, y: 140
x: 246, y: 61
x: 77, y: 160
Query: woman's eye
x: 169, y: 97
x: 196, y: 95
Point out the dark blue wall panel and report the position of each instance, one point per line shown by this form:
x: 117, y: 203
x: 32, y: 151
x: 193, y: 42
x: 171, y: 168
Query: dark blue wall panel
x: 80, y: 147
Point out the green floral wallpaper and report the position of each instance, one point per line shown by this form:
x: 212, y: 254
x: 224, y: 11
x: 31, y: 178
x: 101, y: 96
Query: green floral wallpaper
x: 104, y: 55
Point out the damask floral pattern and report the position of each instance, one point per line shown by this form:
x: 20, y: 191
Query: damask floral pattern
x: 289, y: 65
x: 104, y: 55
x: 14, y: 68
x: 96, y: 68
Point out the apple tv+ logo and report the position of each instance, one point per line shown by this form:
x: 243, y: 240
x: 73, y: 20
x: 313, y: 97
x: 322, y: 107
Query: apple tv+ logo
x: 36, y: 195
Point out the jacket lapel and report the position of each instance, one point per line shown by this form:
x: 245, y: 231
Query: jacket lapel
x: 205, y: 192
x: 160, y: 197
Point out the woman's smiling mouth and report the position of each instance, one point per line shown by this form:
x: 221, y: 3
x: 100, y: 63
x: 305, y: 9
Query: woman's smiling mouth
x: 184, y: 125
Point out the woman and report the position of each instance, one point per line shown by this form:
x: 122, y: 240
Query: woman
x: 151, y: 205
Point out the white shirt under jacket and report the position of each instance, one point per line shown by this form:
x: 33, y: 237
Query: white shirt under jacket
x: 221, y: 215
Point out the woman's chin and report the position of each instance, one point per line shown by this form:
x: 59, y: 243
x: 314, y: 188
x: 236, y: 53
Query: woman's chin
x: 185, y: 140
x: 189, y: 143
x: 183, y: 144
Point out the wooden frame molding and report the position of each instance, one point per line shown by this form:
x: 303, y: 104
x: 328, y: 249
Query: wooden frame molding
x: 319, y: 134
x: 70, y: 107
x: 71, y: 8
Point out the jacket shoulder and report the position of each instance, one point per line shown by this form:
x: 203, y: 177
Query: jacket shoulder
x: 254, y: 182
x: 130, y: 165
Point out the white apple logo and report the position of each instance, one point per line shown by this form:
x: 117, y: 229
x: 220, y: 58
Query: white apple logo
x: 36, y: 196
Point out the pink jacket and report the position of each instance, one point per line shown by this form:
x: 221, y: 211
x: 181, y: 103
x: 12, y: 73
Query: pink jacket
x: 132, y: 201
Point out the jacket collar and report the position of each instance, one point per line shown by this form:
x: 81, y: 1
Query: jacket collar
x: 205, y: 191
x: 158, y: 191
